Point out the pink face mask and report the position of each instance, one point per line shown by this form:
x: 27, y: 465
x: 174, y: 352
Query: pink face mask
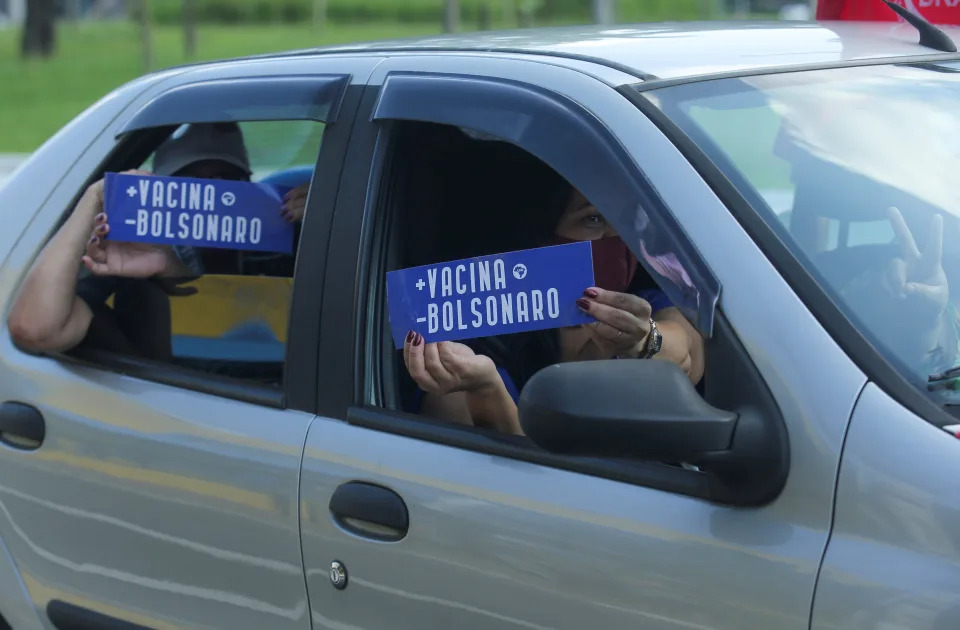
x: 613, y: 262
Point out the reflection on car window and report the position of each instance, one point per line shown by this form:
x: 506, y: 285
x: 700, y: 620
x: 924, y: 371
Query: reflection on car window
x: 857, y: 167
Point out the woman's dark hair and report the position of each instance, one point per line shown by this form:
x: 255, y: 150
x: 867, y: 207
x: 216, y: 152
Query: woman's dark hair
x: 463, y: 197
x: 510, y: 201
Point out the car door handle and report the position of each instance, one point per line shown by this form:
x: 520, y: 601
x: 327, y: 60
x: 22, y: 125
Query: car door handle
x: 370, y: 511
x: 21, y: 426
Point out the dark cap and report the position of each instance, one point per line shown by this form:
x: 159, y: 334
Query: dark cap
x: 197, y: 142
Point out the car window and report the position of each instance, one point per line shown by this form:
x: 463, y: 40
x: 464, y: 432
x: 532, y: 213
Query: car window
x: 855, y: 168
x: 458, y: 195
x: 231, y: 318
x: 277, y: 145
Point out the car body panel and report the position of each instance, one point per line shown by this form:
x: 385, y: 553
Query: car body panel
x: 496, y: 542
x: 152, y: 504
x: 136, y: 502
x: 689, y: 49
x: 15, y: 602
x: 894, y: 556
x: 21, y: 195
x: 169, y: 508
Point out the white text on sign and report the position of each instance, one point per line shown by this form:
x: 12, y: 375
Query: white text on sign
x: 482, y: 277
x: 197, y: 218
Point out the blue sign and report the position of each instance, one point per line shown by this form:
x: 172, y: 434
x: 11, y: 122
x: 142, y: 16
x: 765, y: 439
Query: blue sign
x: 501, y: 294
x: 199, y: 212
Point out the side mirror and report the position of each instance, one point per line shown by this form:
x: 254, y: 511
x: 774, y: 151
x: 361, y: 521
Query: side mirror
x: 649, y: 410
x: 622, y: 409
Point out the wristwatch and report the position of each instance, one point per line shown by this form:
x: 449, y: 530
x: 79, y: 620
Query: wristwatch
x: 654, y: 342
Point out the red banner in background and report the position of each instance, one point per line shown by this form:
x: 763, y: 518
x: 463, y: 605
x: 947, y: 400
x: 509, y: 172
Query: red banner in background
x: 935, y: 11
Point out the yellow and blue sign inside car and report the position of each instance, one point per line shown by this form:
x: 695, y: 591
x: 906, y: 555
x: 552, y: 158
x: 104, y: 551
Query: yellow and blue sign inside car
x: 232, y: 318
x: 237, y: 318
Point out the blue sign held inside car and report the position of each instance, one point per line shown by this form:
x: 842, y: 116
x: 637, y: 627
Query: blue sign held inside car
x: 199, y: 212
x: 515, y: 292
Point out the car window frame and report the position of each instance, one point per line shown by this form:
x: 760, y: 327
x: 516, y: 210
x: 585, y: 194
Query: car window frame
x: 278, y: 97
x: 446, y: 98
x: 746, y: 207
x: 359, y: 222
x: 135, y: 142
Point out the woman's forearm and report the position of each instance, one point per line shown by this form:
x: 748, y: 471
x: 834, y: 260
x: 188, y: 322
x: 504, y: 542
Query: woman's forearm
x: 676, y: 347
x: 47, y: 315
x: 493, y: 408
x: 682, y: 344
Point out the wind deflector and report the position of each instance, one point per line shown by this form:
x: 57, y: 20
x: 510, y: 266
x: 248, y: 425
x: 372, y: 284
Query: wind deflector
x: 577, y: 145
x: 245, y: 99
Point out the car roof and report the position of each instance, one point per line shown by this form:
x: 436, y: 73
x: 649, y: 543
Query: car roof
x: 684, y: 49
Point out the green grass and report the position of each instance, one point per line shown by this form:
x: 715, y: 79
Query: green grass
x: 261, y: 11
x: 40, y: 96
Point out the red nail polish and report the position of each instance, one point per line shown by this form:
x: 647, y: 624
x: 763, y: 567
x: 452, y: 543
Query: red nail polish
x: 418, y: 340
x: 583, y: 303
x: 592, y: 293
x: 100, y: 218
x: 411, y: 336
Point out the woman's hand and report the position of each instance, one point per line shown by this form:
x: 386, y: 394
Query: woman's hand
x: 448, y: 367
x: 461, y: 385
x: 623, y: 322
x: 904, y: 303
x: 295, y: 203
x: 128, y: 260
x: 918, y: 276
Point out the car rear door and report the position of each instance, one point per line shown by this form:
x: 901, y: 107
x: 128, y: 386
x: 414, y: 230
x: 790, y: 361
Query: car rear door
x: 145, y: 495
x: 409, y: 524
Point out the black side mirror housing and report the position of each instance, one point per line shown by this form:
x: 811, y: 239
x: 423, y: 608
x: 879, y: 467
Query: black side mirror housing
x: 649, y: 410
x: 629, y: 409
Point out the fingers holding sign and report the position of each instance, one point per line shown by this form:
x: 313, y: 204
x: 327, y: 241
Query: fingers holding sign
x: 295, y: 203
x: 107, y: 257
x: 92, y: 199
x: 446, y: 367
x: 623, y: 319
x: 132, y: 260
x: 101, y: 228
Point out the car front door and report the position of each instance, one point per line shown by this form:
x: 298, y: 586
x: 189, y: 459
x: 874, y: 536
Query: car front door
x: 410, y: 524
x: 155, y: 495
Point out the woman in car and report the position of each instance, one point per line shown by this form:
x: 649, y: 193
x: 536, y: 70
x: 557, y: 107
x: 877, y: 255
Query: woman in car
x: 57, y: 311
x: 525, y: 205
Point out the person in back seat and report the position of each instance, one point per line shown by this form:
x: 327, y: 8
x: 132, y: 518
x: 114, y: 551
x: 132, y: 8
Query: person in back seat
x: 56, y: 311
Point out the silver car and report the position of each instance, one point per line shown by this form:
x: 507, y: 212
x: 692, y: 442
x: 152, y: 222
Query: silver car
x: 749, y: 166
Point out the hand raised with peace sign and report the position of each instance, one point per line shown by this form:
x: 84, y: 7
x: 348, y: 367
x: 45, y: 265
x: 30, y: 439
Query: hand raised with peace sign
x: 918, y: 275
